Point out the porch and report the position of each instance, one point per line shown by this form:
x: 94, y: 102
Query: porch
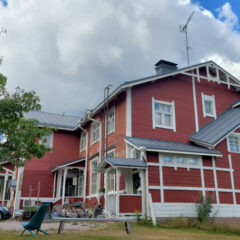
x: 124, y: 186
x: 69, y: 181
x: 7, y: 184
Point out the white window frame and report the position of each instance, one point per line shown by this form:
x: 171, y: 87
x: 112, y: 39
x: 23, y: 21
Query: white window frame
x: 92, y: 124
x: 114, y: 174
x: 210, y: 99
x: 91, y: 172
x: 50, y: 142
x: 172, y: 104
x: 228, y: 141
x: 106, y: 121
x: 186, y: 163
x: 83, y: 138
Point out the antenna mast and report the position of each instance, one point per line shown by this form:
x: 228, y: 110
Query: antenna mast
x: 184, y: 30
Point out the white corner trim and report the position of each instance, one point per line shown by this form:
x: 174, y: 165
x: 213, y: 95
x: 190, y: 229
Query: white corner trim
x: 129, y: 112
x: 195, y: 102
x: 232, y: 178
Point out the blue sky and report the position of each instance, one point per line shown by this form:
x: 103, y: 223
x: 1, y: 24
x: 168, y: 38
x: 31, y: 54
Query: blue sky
x: 214, y: 5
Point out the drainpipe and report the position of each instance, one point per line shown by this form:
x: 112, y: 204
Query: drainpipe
x: 100, y: 150
x: 145, y: 188
x: 86, y: 163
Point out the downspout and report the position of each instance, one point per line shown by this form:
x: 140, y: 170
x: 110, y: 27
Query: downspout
x: 86, y: 162
x: 100, y: 150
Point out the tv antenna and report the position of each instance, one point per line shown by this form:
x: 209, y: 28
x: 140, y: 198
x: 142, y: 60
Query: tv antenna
x: 184, y: 29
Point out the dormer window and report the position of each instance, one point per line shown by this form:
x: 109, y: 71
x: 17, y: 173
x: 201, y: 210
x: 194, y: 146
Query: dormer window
x: 163, y: 114
x: 209, y: 108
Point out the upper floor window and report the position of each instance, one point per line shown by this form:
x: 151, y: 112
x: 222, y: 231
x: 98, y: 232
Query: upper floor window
x: 47, y: 140
x: 93, y: 176
x: 234, y: 143
x: 95, y: 132
x: 83, y: 141
x: 209, y: 108
x: 164, y: 114
x: 111, y: 121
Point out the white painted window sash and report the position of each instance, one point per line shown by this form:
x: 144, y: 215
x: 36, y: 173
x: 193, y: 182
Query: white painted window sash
x: 172, y: 113
x: 212, y: 100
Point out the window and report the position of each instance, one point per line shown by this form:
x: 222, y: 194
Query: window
x: 209, y: 108
x: 111, y: 121
x: 47, y: 140
x: 234, y: 143
x: 180, y: 160
x: 95, y: 130
x: 83, y: 141
x: 93, y: 176
x: 164, y: 114
x: 111, y: 175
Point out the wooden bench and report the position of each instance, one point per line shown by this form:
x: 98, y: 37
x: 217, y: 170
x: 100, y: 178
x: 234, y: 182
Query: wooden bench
x: 62, y: 221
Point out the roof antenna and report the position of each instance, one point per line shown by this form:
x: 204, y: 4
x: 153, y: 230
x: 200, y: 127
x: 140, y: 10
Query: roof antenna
x: 184, y: 29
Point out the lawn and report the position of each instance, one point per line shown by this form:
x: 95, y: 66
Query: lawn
x: 116, y: 231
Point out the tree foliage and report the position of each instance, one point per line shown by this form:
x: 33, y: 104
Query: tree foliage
x: 21, y: 136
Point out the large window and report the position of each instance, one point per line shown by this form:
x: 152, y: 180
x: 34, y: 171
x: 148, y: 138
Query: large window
x: 83, y: 141
x: 111, y: 175
x: 111, y: 120
x: 95, y: 132
x: 93, y: 176
x: 47, y: 140
x: 234, y: 143
x: 163, y: 114
x: 180, y: 160
x: 209, y: 108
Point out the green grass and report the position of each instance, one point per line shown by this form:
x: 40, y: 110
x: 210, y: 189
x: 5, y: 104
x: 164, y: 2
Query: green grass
x: 116, y: 231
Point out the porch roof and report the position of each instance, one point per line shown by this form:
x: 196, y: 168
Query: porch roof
x: 65, y: 164
x: 121, y: 162
x: 156, y: 145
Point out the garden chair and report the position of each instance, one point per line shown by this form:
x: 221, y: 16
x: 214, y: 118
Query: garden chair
x: 36, y: 221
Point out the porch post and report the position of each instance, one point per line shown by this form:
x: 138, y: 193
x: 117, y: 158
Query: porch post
x: 142, y: 175
x: 4, y: 187
x: 117, y: 194
x: 106, y: 190
x: 59, y: 179
x: 54, y: 185
x: 64, y: 182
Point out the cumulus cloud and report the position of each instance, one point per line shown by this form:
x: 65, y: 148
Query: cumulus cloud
x: 68, y: 51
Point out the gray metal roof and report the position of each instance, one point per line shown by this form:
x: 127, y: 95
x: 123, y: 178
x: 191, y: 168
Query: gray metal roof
x: 122, y: 163
x: 65, y: 164
x: 171, y: 147
x: 216, y: 130
x: 59, y: 121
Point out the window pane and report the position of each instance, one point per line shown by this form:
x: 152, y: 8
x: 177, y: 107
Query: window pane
x: 167, y: 159
x: 179, y: 160
x: 234, y: 143
x: 158, y: 118
x: 157, y: 106
x: 193, y: 161
x: 167, y: 108
x: 208, y: 107
x: 167, y: 120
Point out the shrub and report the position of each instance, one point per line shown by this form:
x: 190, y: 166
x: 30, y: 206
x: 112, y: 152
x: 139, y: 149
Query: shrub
x: 204, y: 208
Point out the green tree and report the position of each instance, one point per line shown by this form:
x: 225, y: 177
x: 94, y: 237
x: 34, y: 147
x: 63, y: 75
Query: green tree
x: 19, y: 137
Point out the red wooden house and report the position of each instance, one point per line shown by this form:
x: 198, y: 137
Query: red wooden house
x: 166, y: 139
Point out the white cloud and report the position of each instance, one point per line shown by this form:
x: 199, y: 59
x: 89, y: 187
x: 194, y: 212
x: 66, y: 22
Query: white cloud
x: 68, y: 51
x: 226, y: 14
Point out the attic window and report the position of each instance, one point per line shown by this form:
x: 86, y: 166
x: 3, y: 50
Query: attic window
x: 209, y: 108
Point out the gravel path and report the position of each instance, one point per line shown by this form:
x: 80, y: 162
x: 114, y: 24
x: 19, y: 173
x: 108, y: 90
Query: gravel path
x: 12, y: 225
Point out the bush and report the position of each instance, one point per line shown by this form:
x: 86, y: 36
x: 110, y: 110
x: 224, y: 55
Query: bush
x: 204, y: 208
